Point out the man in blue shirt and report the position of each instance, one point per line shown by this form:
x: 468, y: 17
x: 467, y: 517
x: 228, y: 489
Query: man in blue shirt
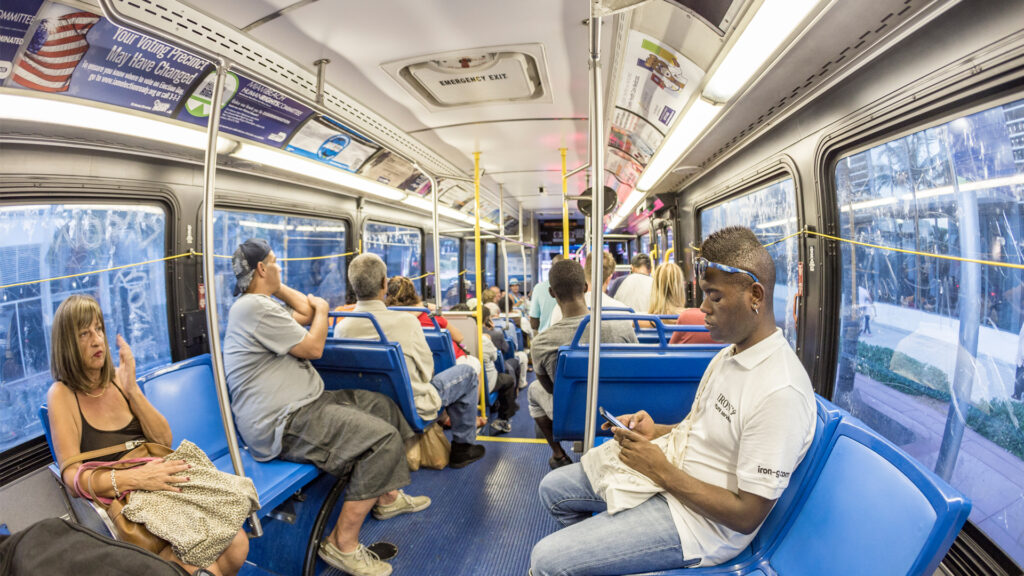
x: 542, y: 303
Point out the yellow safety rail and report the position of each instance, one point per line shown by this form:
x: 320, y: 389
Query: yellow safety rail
x: 565, y: 208
x: 479, y: 276
x: 165, y: 258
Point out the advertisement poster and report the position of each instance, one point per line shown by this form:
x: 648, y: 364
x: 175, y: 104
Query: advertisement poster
x: 387, y: 168
x: 623, y: 167
x: 657, y: 82
x: 16, y: 17
x: 83, y: 55
x: 249, y: 109
x: 323, y: 140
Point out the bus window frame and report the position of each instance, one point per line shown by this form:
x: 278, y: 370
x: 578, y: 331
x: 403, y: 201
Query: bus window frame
x: 423, y: 247
x: 33, y: 454
x: 871, y: 128
x: 765, y: 175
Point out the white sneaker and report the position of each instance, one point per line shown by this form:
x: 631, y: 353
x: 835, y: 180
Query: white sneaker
x: 362, y: 562
x: 402, y: 505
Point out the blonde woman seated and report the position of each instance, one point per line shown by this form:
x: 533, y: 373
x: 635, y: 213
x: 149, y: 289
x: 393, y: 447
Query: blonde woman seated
x: 668, y: 293
x: 93, y: 406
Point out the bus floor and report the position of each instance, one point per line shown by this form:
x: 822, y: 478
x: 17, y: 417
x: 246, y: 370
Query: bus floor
x: 483, y: 520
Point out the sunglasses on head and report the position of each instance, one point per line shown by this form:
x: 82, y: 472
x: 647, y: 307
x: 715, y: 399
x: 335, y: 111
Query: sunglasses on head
x: 703, y: 264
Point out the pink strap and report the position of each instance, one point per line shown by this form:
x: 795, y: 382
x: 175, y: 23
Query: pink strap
x: 114, y: 465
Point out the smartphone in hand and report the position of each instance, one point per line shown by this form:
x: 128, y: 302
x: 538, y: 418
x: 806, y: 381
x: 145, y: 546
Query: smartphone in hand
x: 611, y: 419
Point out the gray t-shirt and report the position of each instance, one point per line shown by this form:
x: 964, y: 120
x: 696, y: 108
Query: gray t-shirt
x: 266, y: 383
x: 545, y: 346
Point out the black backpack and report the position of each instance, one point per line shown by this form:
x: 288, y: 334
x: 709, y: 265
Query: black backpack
x: 55, y: 546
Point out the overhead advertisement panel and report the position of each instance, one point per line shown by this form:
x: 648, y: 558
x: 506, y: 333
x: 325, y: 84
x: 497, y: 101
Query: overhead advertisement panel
x: 388, y: 168
x: 81, y: 54
x: 324, y: 140
x: 250, y: 109
x: 656, y: 81
x: 16, y: 17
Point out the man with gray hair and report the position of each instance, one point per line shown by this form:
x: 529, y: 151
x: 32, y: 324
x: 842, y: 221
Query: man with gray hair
x: 454, y: 389
x: 282, y: 410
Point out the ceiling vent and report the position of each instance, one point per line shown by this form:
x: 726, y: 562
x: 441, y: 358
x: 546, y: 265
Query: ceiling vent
x: 491, y: 75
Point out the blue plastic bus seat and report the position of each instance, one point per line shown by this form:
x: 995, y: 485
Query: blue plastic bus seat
x: 872, y: 510
x: 375, y: 365
x: 665, y: 386
x: 650, y: 335
x: 438, y: 339
x: 856, y: 505
x: 509, y: 330
x: 186, y: 395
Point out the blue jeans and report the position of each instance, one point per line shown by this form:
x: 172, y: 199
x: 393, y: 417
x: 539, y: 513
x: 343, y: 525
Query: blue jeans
x: 458, y: 389
x: 642, y: 539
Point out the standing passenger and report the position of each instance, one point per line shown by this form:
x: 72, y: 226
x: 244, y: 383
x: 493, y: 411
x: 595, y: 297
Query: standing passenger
x: 635, y: 290
x: 454, y: 389
x: 282, y: 409
x: 542, y: 303
x: 701, y: 489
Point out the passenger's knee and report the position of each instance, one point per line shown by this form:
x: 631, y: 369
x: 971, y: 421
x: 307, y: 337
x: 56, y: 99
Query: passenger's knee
x: 547, y: 489
x: 233, y: 558
x: 544, y: 557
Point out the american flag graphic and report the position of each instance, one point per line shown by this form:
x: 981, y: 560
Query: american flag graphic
x: 54, y: 52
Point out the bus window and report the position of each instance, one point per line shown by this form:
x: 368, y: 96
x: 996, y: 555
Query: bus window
x: 771, y: 213
x: 399, y: 246
x: 289, y: 237
x: 449, y: 270
x: 931, y: 349
x: 490, y: 264
x: 48, y: 241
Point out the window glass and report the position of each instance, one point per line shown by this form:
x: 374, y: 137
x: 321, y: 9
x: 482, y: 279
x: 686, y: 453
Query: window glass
x: 449, y: 270
x: 469, y: 257
x: 289, y: 237
x: 645, y: 244
x: 932, y: 350
x: 399, y: 246
x: 669, y: 253
x: 47, y: 241
x: 771, y: 213
x: 490, y: 264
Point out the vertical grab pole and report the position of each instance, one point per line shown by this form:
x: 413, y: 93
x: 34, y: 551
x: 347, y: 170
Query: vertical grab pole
x: 437, y: 243
x: 597, y: 221
x: 522, y: 250
x: 479, y: 293
x: 565, y: 208
x: 212, y: 316
x: 504, y: 248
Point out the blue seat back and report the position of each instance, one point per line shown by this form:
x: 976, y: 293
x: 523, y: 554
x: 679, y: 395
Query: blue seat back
x: 664, y: 388
x: 375, y: 365
x: 186, y: 395
x: 650, y: 335
x: 871, y: 509
x: 438, y: 339
x: 44, y: 418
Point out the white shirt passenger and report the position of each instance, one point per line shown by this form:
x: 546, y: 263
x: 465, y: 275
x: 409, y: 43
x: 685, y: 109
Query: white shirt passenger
x: 606, y: 302
x: 751, y: 423
x: 635, y: 292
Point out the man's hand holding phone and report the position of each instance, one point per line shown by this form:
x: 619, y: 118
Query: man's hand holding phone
x: 639, y: 422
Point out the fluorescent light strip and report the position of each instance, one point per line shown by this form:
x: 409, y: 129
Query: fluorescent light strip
x: 445, y: 211
x: 299, y: 165
x: 696, y: 119
x: 65, y: 113
x: 774, y: 22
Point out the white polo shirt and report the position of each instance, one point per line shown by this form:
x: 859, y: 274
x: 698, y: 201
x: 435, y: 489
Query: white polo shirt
x: 752, y: 421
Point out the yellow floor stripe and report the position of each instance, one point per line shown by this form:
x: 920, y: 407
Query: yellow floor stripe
x: 512, y: 440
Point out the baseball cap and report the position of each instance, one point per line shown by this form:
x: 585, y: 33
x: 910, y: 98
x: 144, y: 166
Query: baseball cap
x: 246, y: 257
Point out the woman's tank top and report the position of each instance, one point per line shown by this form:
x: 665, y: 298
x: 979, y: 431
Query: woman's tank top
x: 94, y: 439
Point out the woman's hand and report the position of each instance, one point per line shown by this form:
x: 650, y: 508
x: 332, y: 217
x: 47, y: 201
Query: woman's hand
x: 126, y: 368
x: 153, y: 476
